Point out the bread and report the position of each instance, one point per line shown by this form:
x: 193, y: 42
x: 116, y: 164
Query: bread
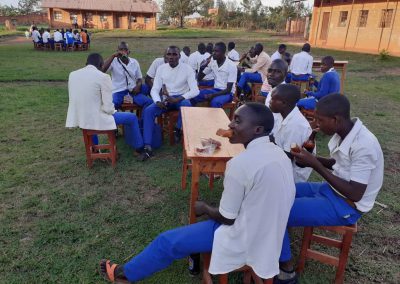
x: 225, y: 133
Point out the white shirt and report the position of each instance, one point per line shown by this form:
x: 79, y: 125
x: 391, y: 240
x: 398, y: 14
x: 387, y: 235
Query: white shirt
x: 36, y: 35
x: 293, y: 129
x: 179, y: 81
x: 226, y: 73
x: 301, y: 63
x: 276, y: 55
x: 119, y: 75
x: 258, y: 193
x: 195, y: 60
x: 233, y: 55
x: 184, y: 58
x: 359, y: 158
x: 154, y: 66
x: 46, y: 36
x: 57, y: 36
x: 90, y: 100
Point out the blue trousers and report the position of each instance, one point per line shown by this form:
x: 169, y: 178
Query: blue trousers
x: 216, y: 102
x: 264, y: 94
x: 292, y: 77
x: 169, y: 246
x: 139, y: 99
x: 152, y: 111
x: 206, y: 83
x: 249, y: 78
x: 307, y: 103
x: 317, y: 205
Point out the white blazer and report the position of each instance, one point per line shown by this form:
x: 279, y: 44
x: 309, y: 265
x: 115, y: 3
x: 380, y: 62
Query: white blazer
x: 90, y: 100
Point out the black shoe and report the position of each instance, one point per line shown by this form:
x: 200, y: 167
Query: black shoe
x: 146, y: 153
x: 292, y: 280
x: 177, y: 135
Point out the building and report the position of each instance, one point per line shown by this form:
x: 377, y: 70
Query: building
x: 102, y: 14
x: 356, y: 25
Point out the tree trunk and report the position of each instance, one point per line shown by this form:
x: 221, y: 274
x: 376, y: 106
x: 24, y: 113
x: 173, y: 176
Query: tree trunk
x: 181, y: 24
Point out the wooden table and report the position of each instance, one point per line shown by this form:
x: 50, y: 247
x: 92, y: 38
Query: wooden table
x: 203, y: 123
x: 339, y: 66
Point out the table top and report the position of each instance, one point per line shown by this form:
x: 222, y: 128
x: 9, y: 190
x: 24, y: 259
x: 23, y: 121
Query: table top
x: 337, y: 62
x: 202, y: 122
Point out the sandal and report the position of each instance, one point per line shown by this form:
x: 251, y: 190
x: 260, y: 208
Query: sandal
x: 109, y: 274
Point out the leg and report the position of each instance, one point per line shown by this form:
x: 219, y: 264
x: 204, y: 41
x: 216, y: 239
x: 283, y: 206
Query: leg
x: 142, y: 100
x: 185, y: 103
x: 118, y: 98
x: 132, y: 134
x: 149, y: 114
x: 201, y: 97
x: 249, y: 77
x: 219, y: 101
x: 169, y: 246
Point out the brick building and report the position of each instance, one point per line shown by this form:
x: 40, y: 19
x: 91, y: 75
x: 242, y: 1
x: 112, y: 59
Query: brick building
x: 102, y: 14
x: 356, y: 25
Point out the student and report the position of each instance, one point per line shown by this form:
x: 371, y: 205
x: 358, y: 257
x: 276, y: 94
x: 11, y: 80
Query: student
x: 276, y: 75
x: 293, y: 127
x: 225, y: 73
x: 126, y: 77
x: 83, y: 36
x: 151, y: 73
x: 91, y: 107
x: 280, y: 53
x: 301, y: 65
x: 248, y: 226
x: 69, y: 37
x: 210, y: 48
x: 330, y: 83
x: 257, y: 73
x: 58, y: 37
x: 233, y: 54
x: 185, y: 53
x: 36, y: 35
x: 353, y: 175
x: 178, y: 84
x: 195, y: 60
x: 46, y: 37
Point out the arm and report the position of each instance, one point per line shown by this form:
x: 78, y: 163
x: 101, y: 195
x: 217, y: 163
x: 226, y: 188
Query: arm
x: 261, y: 61
x: 107, y: 105
x: 203, y: 208
x: 108, y: 62
x: 149, y: 81
x: 157, y: 85
x: 203, y: 71
x: 323, y: 88
x: 309, y: 66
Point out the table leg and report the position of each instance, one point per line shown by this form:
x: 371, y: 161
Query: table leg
x: 343, y: 78
x: 184, y: 170
x: 194, y: 190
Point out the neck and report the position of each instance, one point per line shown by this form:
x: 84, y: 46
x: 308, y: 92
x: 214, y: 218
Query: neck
x: 173, y: 65
x: 345, y: 129
x: 255, y: 137
x: 286, y: 112
x: 221, y: 61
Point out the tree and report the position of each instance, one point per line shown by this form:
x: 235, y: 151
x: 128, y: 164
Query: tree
x: 8, y: 10
x: 27, y: 6
x: 179, y: 9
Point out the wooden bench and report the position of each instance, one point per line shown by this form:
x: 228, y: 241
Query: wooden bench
x: 93, y: 152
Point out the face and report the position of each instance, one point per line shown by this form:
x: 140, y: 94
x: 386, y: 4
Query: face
x: 282, y: 50
x: 172, y: 56
x: 326, y: 124
x: 123, y: 51
x: 276, y: 104
x: 202, y: 49
x: 218, y: 53
x: 275, y: 75
x: 324, y: 67
x: 243, y: 129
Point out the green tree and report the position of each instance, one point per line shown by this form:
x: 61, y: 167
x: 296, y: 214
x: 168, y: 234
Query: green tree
x: 27, y: 6
x: 179, y: 9
x: 6, y: 10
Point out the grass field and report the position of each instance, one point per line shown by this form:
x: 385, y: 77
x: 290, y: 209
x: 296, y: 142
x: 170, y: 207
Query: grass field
x: 58, y: 218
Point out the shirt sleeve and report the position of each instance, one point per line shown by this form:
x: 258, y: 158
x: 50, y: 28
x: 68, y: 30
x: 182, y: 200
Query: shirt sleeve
x: 152, y: 70
x: 310, y: 65
x: 138, y: 73
x: 193, y: 88
x: 363, y: 161
x: 232, y: 75
x: 106, y: 96
x: 261, y: 61
x: 157, y: 84
x: 193, y: 61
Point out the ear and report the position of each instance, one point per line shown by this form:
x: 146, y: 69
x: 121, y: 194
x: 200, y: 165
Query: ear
x: 259, y: 130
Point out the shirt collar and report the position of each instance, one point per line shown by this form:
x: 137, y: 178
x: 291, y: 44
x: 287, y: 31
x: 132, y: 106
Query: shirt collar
x: 293, y: 114
x: 331, y: 70
x: 259, y: 140
x: 337, y: 144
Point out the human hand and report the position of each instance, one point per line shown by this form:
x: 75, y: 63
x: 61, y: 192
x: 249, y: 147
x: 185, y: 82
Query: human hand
x: 209, y: 97
x: 174, y: 100
x: 241, y: 69
x: 161, y: 105
x: 200, y: 208
x: 304, y: 158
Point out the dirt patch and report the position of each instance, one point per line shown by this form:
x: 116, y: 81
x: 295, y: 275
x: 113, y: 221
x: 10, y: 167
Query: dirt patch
x: 14, y: 40
x: 151, y: 195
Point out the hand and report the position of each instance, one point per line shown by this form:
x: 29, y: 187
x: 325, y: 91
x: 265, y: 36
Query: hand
x: 174, y: 100
x: 209, y: 97
x: 241, y: 69
x: 161, y: 105
x: 200, y: 208
x: 116, y: 54
x: 305, y: 158
x: 136, y: 90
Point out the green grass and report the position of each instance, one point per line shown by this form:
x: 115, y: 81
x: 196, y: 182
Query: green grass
x: 58, y: 218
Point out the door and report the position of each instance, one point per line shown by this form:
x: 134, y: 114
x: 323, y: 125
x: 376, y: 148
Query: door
x: 325, y: 25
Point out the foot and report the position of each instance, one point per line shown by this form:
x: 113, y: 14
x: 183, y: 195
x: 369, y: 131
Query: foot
x: 177, y: 135
x: 146, y: 153
x: 112, y: 272
x: 286, y: 277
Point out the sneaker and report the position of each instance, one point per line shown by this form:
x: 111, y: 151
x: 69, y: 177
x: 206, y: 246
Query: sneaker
x: 146, y: 153
x: 291, y: 278
x: 177, y: 135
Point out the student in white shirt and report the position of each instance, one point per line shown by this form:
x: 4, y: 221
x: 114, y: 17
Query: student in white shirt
x: 225, y: 74
x: 185, y: 53
x: 177, y: 83
x: 195, y: 60
x: 353, y: 175
x: 293, y: 127
x: 301, y: 65
x: 126, y: 77
x: 58, y: 38
x: 36, y: 35
x: 151, y: 73
x: 232, y: 53
x: 280, y: 53
x: 248, y: 226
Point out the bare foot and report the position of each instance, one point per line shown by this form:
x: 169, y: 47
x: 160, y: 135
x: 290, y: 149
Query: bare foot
x: 112, y: 272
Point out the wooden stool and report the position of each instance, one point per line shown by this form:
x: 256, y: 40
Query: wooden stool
x: 47, y: 46
x: 84, y: 46
x: 206, y: 87
x: 38, y: 46
x: 303, y: 85
x: 70, y: 47
x: 231, y: 107
x: 255, y: 91
x: 132, y: 107
x: 248, y: 276
x: 78, y: 47
x: 167, y: 122
x: 344, y: 246
x: 92, y: 151
x: 58, y: 46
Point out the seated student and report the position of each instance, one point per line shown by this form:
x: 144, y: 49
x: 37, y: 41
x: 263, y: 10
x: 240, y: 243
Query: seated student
x: 247, y: 59
x: 210, y: 48
x: 280, y: 53
x: 293, y: 127
x: 353, y: 175
x: 91, y: 106
x: 83, y: 36
x: 224, y: 71
x: 276, y: 75
x: 195, y: 60
x: 330, y: 83
x: 58, y: 37
x: 69, y: 37
x: 248, y: 226
x: 126, y: 77
x: 300, y: 68
x: 232, y: 53
x: 178, y: 85
x: 257, y: 73
x: 77, y: 37
x: 46, y: 37
x: 36, y: 35
x: 88, y: 37
x: 151, y: 73
x: 185, y: 53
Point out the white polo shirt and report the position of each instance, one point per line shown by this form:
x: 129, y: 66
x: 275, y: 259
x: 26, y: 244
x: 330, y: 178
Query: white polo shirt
x: 154, y: 66
x: 46, y: 36
x: 35, y: 35
x: 184, y: 58
x: 58, y: 36
x: 276, y: 55
x: 258, y: 193
x: 301, y: 63
x: 359, y: 158
x: 233, y: 55
x: 179, y: 81
x: 293, y: 129
x: 119, y: 75
x: 226, y: 73
x: 195, y: 60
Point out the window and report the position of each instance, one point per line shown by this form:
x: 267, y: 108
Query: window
x: 386, y: 18
x: 103, y: 18
x: 133, y: 19
x: 343, y: 18
x: 362, y: 18
x: 147, y: 20
x: 57, y: 15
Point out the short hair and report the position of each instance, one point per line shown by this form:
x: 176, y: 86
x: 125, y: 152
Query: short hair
x: 281, y: 64
x: 123, y: 45
x: 290, y: 93
x: 186, y: 48
x: 95, y: 59
x: 259, y: 46
x: 334, y: 104
x: 201, y: 45
x: 231, y: 45
x: 282, y: 46
x: 262, y: 116
x: 57, y: 30
x: 173, y: 47
x: 221, y: 45
x: 306, y: 47
x: 48, y: 30
x: 329, y: 60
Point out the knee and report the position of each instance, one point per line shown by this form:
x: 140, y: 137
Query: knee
x: 186, y: 103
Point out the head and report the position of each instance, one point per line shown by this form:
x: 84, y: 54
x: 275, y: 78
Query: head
x: 123, y: 48
x: 82, y: 30
x: 258, y: 48
x: 277, y: 72
x: 231, y: 45
x: 282, y: 48
x: 173, y: 55
x: 332, y: 112
x: 201, y: 47
x: 287, y: 57
x: 327, y: 63
x: 306, y: 47
x: 186, y: 50
x: 250, y: 121
x: 252, y: 52
x: 284, y: 98
x: 210, y: 47
x: 57, y: 30
x: 219, y: 51
x: 48, y: 30
x: 96, y: 60
x: 34, y: 28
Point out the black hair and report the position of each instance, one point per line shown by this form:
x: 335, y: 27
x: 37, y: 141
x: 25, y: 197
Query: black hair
x: 329, y: 60
x: 95, y: 59
x: 262, y: 116
x: 231, y: 45
x: 222, y: 46
x: 290, y: 93
x: 201, y: 45
x: 186, y: 48
x: 334, y: 104
x: 306, y: 47
x: 281, y: 64
x: 282, y: 46
x: 259, y: 47
x: 173, y: 47
x: 210, y: 47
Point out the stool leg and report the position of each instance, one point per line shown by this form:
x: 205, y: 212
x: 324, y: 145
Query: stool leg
x: 344, y: 254
x: 211, y: 181
x: 113, y: 150
x: 223, y: 279
x: 86, y: 140
x: 308, y: 231
x: 206, y: 264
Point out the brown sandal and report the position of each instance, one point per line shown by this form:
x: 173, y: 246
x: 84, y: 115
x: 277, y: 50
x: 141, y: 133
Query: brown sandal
x: 109, y: 275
